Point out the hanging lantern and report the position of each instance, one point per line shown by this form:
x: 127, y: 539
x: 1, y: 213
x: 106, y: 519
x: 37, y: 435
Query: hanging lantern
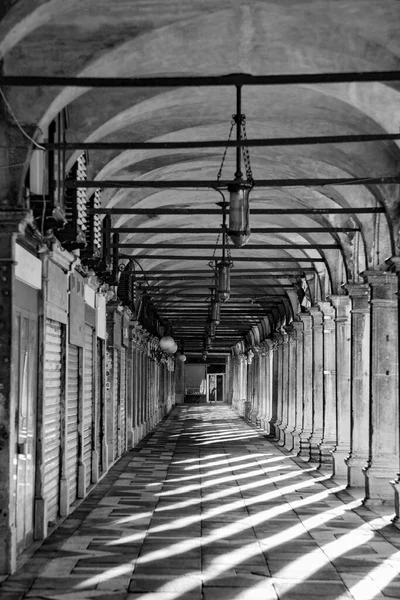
x: 167, y: 342
x: 224, y: 280
x: 215, y: 311
x: 212, y: 329
x: 239, y: 211
x: 238, y: 189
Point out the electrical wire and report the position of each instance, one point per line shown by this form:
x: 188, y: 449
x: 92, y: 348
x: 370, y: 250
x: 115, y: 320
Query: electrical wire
x: 22, y: 130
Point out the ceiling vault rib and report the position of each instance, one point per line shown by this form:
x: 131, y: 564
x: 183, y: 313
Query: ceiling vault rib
x: 237, y: 79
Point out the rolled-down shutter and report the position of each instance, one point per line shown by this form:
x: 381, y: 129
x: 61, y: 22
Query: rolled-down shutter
x: 52, y: 416
x: 122, y: 398
x: 116, y: 404
x: 88, y: 404
x: 72, y: 417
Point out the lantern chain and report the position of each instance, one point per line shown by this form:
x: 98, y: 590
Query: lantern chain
x: 246, y: 153
x: 224, y: 154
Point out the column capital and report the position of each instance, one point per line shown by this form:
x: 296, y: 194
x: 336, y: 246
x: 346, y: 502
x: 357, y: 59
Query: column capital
x: 327, y: 309
x: 383, y: 286
x: 317, y: 316
x: 342, y: 305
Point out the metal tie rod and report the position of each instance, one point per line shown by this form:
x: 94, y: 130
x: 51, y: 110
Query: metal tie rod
x: 249, y: 143
x: 237, y: 79
x: 259, y: 183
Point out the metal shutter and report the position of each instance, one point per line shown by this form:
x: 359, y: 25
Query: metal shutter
x: 122, y: 399
x: 52, y: 416
x: 88, y: 404
x: 116, y: 405
x: 72, y: 420
x: 101, y: 413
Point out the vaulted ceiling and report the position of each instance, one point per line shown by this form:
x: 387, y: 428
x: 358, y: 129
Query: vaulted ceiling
x: 293, y: 243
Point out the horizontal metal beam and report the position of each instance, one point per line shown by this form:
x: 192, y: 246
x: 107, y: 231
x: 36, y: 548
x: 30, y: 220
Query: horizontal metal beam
x: 254, y: 211
x: 207, y: 283
x: 237, y: 271
x: 265, y: 246
x: 215, y: 230
x: 248, y: 143
x: 237, y: 258
x: 196, y: 183
x: 235, y: 79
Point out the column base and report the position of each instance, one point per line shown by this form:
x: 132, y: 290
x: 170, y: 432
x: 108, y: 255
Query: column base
x: 95, y: 466
x: 81, y: 480
x: 281, y: 439
x: 305, y: 445
x: 356, y: 466
x: 378, y: 486
x: 130, y: 438
x: 315, y: 448
x: 340, y: 466
x: 315, y: 453
x: 296, y: 441
x: 289, y: 442
x: 326, y: 453
x: 104, y: 451
x: 64, y: 497
x: 396, y: 488
x: 41, y: 527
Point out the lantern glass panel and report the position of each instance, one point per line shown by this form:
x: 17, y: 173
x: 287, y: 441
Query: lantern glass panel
x: 239, y: 213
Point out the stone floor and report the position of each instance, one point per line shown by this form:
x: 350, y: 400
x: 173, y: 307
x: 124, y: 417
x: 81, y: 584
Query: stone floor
x: 205, y: 508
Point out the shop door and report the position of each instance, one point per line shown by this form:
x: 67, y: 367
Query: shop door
x: 26, y: 363
x: 52, y: 416
x: 215, y: 387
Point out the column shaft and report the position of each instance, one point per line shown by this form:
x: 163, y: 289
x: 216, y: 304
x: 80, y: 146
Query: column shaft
x: 384, y: 426
x: 342, y: 305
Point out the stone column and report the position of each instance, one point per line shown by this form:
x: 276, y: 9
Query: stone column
x: 299, y: 392
x: 308, y: 375
x: 260, y: 391
x: 292, y: 374
x: 243, y: 384
x: 278, y: 383
x: 285, y: 386
x: 255, y: 387
x: 360, y: 383
x: 384, y: 426
x: 329, y: 438
x: 318, y: 384
x: 342, y: 305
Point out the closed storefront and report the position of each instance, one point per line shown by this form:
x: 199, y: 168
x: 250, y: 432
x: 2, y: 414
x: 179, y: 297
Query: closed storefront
x: 122, y: 403
x: 72, y: 420
x: 52, y: 415
x: 25, y: 359
x: 88, y: 395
